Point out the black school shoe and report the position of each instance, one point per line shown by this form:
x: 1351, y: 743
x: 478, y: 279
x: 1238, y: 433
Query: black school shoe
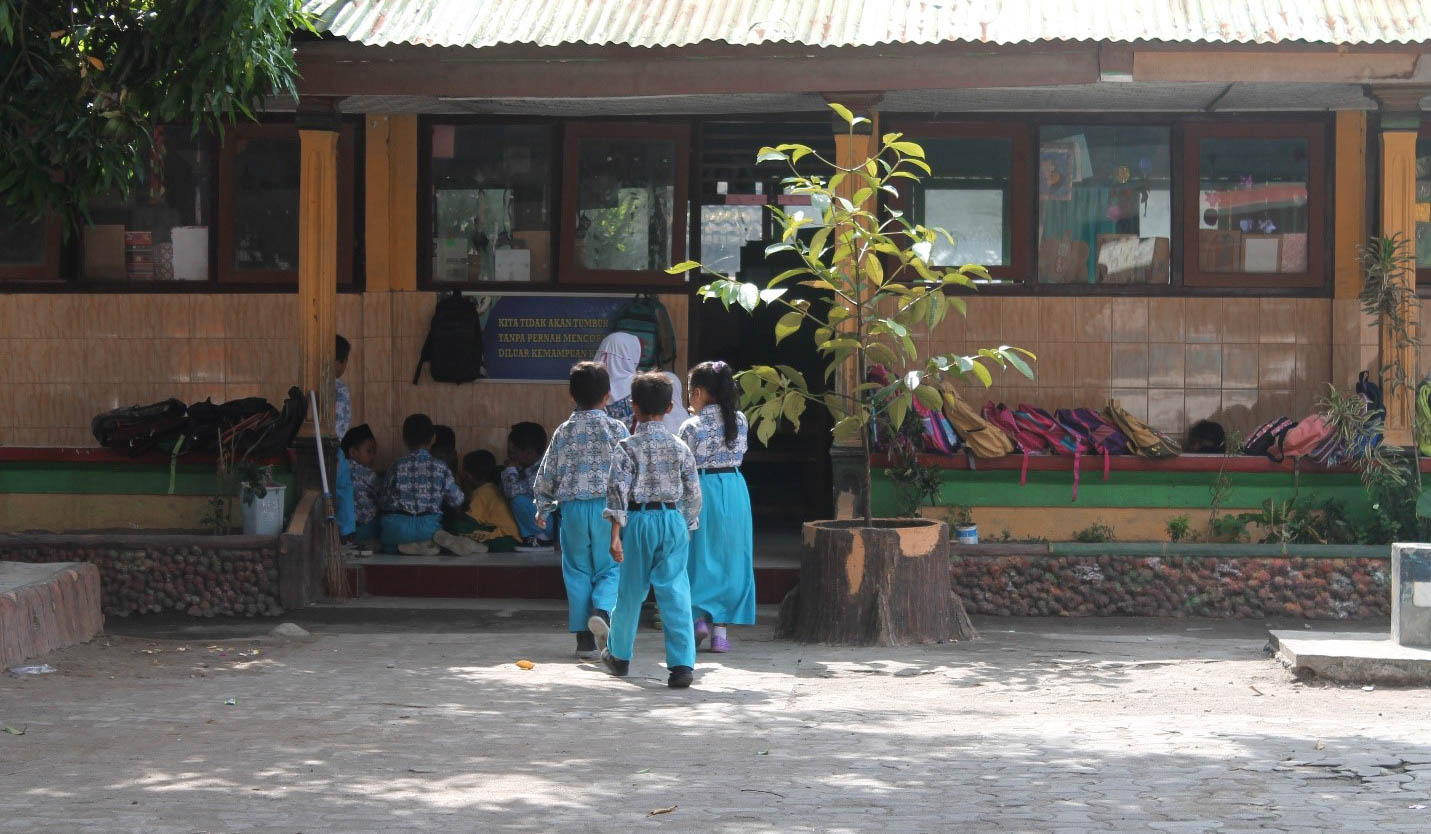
x: 619, y: 668
x: 600, y: 624
x: 586, y: 645
x: 681, y: 677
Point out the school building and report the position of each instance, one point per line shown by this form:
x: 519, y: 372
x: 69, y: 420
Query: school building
x: 1169, y: 196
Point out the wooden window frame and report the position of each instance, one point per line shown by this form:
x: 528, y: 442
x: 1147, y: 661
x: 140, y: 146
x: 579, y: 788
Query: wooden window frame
x: 569, y: 271
x: 48, y: 269
x: 1318, y: 203
x: 425, y: 219
x: 1019, y: 271
x: 224, y: 244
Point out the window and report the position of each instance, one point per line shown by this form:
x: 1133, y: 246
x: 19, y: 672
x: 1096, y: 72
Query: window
x: 1423, y: 206
x: 491, y: 202
x: 1253, y: 207
x: 161, y: 232
x: 625, y: 216
x: 976, y: 194
x: 259, y: 180
x: 1104, y: 204
x: 28, y: 251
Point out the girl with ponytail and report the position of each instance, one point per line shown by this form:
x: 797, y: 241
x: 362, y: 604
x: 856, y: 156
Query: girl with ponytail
x: 722, y: 559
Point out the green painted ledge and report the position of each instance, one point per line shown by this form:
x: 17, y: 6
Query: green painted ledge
x: 1143, y: 550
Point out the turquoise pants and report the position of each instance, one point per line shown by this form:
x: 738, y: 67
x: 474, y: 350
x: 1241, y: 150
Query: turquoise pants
x: 398, y: 529
x: 343, y: 496
x: 656, y: 546
x: 587, y: 569
x: 524, y: 510
x: 368, y: 531
x: 722, y: 563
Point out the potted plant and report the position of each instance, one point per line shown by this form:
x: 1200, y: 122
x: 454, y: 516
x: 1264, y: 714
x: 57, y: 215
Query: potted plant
x: 261, y: 499
x: 863, y: 580
x: 965, y: 530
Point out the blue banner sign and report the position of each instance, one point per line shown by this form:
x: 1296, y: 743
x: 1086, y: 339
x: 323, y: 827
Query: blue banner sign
x: 530, y: 337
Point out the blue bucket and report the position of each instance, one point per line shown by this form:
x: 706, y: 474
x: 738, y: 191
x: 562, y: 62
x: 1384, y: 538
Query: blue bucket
x: 966, y: 534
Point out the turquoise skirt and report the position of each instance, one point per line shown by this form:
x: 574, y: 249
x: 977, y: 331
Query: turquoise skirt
x: 722, y: 561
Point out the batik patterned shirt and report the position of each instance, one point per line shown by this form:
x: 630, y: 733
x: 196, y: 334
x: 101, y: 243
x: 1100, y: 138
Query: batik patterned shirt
x: 653, y: 465
x: 366, y: 492
x: 420, y: 484
x: 621, y: 411
x: 519, y: 480
x: 342, y: 409
x: 577, y: 464
x: 705, y: 434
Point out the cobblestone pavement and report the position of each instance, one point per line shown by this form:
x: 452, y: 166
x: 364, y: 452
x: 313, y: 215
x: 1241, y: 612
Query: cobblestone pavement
x: 1041, y: 726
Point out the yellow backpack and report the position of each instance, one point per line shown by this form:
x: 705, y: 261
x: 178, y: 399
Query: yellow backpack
x: 980, y: 438
x: 1145, y: 442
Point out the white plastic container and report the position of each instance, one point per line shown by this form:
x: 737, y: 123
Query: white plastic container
x: 966, y: 534
x: 263, y: 516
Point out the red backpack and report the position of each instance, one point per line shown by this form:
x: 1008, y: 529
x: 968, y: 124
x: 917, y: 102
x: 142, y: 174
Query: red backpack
x: 1060, y: 440
x: 1025, y: 441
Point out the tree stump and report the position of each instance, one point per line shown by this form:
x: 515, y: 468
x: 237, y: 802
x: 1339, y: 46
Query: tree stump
x: 881, y: 585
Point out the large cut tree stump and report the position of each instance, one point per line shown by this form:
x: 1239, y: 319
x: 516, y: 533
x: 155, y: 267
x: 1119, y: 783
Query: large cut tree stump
x: 881, y: 585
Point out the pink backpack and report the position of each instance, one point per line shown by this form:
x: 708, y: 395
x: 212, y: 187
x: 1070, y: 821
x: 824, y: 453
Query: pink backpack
x: 1312, y: 438
x: 1060, y: 440
x: 1027, y: 442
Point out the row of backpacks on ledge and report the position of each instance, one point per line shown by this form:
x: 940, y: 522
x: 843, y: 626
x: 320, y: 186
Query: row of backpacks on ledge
x: 998, y: 430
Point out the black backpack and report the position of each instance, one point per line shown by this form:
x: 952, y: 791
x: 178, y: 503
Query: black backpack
x: 453, y: 349
x: 137, y: 429
x: 645, y: 317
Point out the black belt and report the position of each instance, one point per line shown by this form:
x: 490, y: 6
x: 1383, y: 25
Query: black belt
x: 724, y: 470
x: 636, y: 506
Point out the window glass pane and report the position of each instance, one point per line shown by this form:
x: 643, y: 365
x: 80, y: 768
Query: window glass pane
x: 725, y: 230
x: 625, y: 193
x: 21, y: 244
x: 1104, y: 207
x: 1252, y: 205
x: 491, y: 202
x: 266, y: 177
x: 969, y: 196
x: 162, y: 231
x: 1423, y: 203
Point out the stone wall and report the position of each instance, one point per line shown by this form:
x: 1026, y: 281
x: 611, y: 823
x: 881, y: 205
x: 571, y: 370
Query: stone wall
x: 1048, y: 584
x: 202, y: 576
x: 43, y: 609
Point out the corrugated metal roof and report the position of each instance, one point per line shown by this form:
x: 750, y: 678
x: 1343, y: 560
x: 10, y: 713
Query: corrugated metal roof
x: 869, y: 22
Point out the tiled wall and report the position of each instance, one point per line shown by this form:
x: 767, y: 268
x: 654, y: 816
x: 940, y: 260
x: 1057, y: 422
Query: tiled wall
x: 1171, y: 361
x: 65, y: 358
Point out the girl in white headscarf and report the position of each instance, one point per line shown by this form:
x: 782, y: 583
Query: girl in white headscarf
x: 620, y: 353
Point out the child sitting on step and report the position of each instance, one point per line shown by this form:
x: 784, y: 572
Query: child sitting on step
x: 415, y: 490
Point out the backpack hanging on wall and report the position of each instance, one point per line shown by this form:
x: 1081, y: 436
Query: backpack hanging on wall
x: 453, y: 350
x: 645, y: 317
x: 1269, y: 438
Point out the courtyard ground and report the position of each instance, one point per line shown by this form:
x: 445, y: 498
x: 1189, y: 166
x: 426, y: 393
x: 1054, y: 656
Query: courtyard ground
x: 393, y: 719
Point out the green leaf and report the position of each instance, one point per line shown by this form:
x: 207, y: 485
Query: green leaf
x: 908, y: 148
x: 683, y: 266
x: 1423, y: 505
x: 862, y: 196
x: 881, y: 353
x: 770, y: 295
x: 788, y: 325
x: 978, y: 369
x: 767, y: 373
x: 898, y: 409
x: 874, y: 270
x: 779, y: 247
x: 1019, y: 364
x: 817, y: 243
x: 749, y: 297
x: 848, y: 430
x: 794, y: 407
x: 770, y: 155
x: 912, y: 380
x: 765, y: 431
x: 797, y: 379
x: 749, y: 382
x: 844, y: 113
x: 929, y: 397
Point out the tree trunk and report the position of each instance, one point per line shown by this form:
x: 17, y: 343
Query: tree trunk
x: 881, y: 585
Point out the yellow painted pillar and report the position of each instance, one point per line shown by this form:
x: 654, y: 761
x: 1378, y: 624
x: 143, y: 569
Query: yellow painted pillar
x: 1400, y: 123
x: 390, y: 205
x: 851, y: 150
x: 318, y: 264
x: 1354, y: 342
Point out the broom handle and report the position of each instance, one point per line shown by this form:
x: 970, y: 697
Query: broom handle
x: 318, y: 441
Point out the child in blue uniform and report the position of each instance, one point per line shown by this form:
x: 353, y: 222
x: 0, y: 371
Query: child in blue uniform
x: 653, y: 500
x: 415, y: 490
x: 360, y: 448
x: 722, y: 562
x: 343, y: 497
x: 573, y: 477
x: 526, y: 442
